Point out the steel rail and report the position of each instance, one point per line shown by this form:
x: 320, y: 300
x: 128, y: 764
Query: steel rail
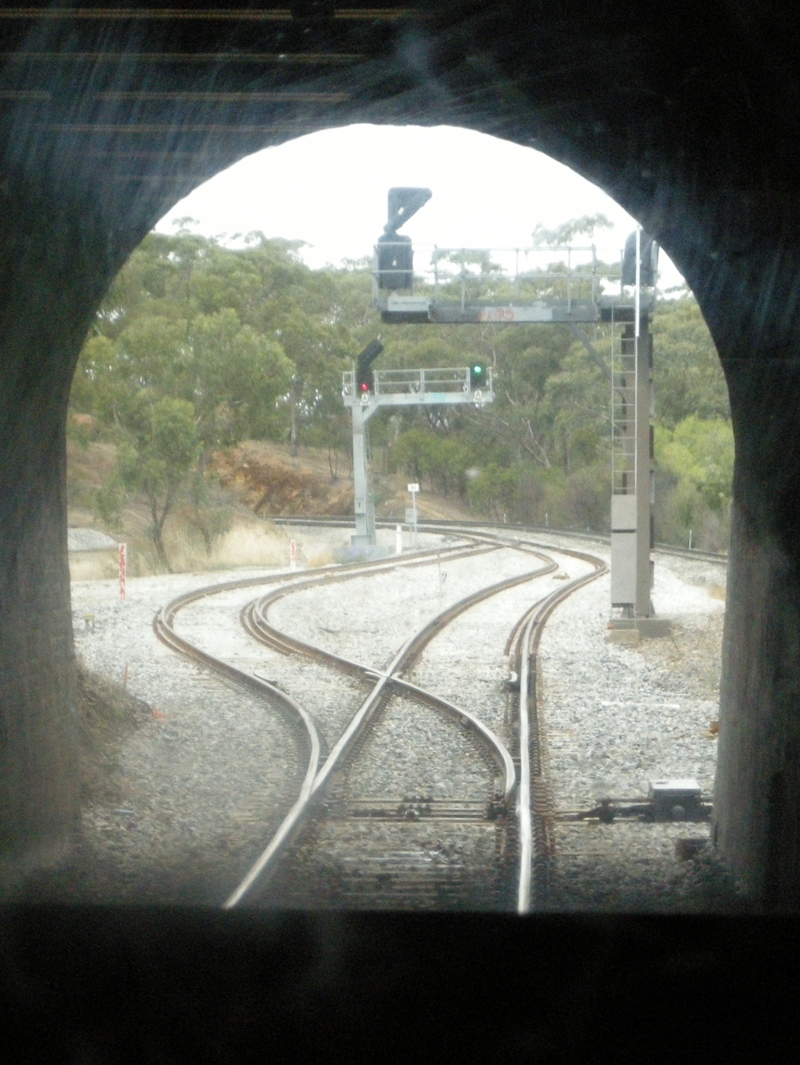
x: 165, y: 631
x: 526, y: 636
x: 334, y: 571
x: 261, y: 627
x: 163, y: 625
x: 255, y: 616
x: 435, y: 524
x: 254, y: 620
x: 524, y: 642
x: 331, y: 571
x: 664, y: 549
x: 256, y: 623
x: 167, y: 634
x: 360, y: 721
x: 497, y: 747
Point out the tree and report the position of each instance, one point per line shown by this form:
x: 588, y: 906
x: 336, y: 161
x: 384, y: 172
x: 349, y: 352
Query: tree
x: 694, y: 481
x: 700, y: 452
x: 256, y: 342
x: 317, y: 350
x: 586, y: 498
x: 232, y: 375
x: 173, y: 326
x: 161, y: 447
x: 584, y: 226
x: 495, y: 491
x: 687, y: 374
x: 413, y: 452
x: 251, y: 337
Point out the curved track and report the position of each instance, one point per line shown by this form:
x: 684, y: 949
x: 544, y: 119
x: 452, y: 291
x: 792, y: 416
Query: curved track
x: 522, y: 856
x: 534, y: 803
x: 475, y: 527
x: 390, y: 681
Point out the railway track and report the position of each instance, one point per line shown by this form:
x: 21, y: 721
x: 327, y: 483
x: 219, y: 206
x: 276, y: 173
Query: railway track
x: 415, y: 873
x: 273, y: 695
x: 345, y: 844
x: 536, y: 807
x: 466, y: 526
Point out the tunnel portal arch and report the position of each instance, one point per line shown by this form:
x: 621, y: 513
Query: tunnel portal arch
x: 108, y: 116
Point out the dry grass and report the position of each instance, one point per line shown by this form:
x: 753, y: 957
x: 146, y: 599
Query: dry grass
x: 248, y: 543
x: 321, y: 558
x: 93, y: 566
x: 256, y: 477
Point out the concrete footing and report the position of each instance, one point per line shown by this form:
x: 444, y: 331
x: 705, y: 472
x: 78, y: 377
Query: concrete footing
x: 632, y: 630
x: 360, y: 552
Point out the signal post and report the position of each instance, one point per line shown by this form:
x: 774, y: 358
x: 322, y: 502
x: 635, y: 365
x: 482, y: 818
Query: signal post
x: 583, y: 299
x: 361, y: 412
x: 365, y: 391
x: 364, y: 509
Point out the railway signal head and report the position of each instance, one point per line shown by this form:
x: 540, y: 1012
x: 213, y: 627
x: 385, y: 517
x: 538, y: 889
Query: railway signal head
x: 403, y: 203
x: 395, y: 262
x: 365, y: 379
x: 395, y: 254
x: 477, y: 376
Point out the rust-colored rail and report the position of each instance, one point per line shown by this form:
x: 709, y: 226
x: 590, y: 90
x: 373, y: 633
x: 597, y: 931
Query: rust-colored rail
x: 534, y: 806
x: 256, y: 621
x: 532, y: 801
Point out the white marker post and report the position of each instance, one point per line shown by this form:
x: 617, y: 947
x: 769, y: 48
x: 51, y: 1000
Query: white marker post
x: 413, y: 489
x: 398, y: 540
x: 292, y: 554
x: 123, y: 569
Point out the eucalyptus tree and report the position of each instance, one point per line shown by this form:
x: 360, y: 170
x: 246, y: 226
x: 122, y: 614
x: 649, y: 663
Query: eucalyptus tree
x: 160, y: 447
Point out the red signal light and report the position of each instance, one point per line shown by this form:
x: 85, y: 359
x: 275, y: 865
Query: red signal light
x: 364, y: 377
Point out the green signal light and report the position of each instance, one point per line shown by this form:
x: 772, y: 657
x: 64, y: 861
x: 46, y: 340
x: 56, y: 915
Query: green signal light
x: 477, y: 375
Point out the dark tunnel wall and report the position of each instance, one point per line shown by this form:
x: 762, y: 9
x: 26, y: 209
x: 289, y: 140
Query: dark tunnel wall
x: 687, y: 115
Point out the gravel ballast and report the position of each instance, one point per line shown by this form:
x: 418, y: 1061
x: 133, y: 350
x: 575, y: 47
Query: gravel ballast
x: 212, y: 769
x: 616, y: 718
x: 204, y: 778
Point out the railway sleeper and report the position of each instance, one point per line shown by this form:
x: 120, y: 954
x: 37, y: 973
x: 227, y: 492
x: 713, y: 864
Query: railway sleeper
x: 415, y: 809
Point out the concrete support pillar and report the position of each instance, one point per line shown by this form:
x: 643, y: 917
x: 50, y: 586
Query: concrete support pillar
x: 364, y: 508
x: 632, y: 489
x: 643, y: 607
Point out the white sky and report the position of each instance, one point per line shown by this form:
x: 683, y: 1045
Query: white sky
x: 329, y: 189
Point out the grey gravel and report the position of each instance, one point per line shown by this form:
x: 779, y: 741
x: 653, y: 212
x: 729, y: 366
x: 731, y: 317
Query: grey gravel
x: 369, y: 618
x: 413, y: 750
x: 328, y: 695
x: 204, y: 783
x: 614, y: 720
x: 466, y: 664
x: 205, y: 779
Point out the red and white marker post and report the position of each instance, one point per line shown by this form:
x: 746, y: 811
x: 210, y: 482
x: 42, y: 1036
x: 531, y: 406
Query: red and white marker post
x: 292, y: 554
x: 123, y: 569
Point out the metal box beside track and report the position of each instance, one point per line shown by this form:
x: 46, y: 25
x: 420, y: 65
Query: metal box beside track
x: 675, y: 796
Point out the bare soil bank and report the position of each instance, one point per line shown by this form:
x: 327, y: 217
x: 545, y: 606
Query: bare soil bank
x: 257, y: 481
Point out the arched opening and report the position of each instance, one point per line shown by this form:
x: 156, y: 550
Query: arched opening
x: 209, y: 324
x: 692, y: 123
x: 76, y: 206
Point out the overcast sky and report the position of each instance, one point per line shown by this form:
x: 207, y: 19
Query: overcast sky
x: 329, y: 189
